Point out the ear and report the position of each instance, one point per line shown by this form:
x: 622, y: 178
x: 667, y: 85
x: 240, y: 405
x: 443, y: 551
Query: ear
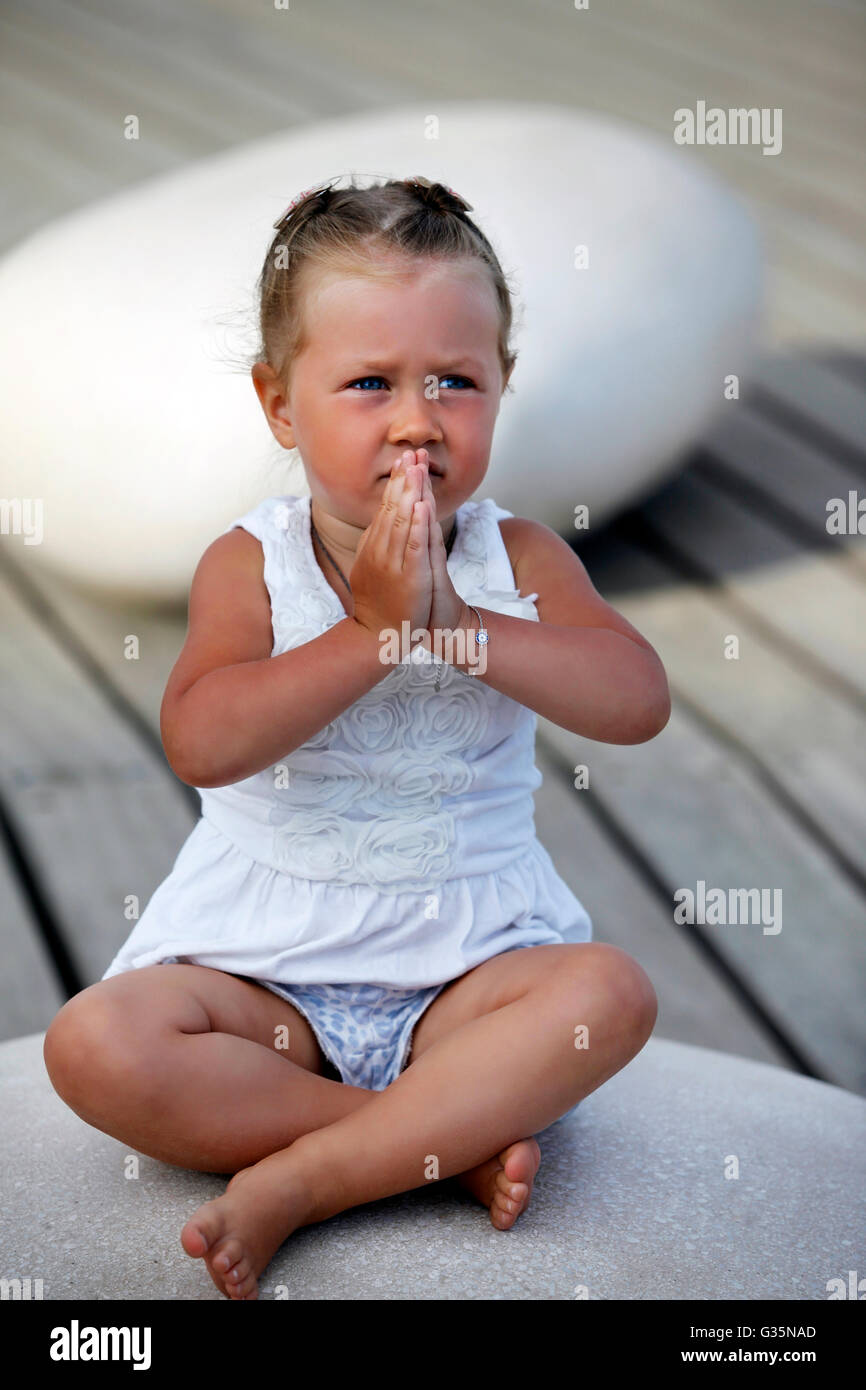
x: 272, y: 399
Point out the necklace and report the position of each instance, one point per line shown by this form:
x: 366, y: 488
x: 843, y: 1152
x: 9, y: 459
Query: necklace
x: 448, y: 546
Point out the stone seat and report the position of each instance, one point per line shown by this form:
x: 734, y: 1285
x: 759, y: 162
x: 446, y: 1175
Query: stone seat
x: 632, y: 1200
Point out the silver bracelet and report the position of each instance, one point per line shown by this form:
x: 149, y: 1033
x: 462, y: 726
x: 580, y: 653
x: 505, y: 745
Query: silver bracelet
x: 482, y: 636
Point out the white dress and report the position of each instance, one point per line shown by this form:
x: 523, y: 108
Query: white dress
x: 397, y: 846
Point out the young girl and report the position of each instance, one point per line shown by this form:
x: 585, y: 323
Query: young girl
x: 365, y: 876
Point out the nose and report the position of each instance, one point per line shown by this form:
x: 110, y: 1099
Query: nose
x: 414, y: 420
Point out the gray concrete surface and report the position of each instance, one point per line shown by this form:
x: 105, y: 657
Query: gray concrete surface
x: 631, y: 1201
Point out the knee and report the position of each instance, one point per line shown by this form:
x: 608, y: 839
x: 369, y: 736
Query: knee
x: 630, y: 999
x: 87, y: 1050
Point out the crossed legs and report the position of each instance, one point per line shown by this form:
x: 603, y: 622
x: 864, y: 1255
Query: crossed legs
x: 180, y: 1062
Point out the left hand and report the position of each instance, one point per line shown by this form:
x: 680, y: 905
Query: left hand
x: 447, y: 609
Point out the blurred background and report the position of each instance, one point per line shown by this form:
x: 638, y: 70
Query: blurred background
x: 758, y: 781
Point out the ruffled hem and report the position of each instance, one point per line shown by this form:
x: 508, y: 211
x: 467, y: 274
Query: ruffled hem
x: 220, y: 908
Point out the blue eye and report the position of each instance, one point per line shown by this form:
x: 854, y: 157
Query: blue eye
x: 450, y: 377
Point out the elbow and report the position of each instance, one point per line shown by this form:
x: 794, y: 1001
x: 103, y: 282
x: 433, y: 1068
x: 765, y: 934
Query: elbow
x: 182, y: 772
x: 655, y: 713
x: 648, y: 709
x: 176, y: 747
x: 186, y: 771
x: 179, y: 762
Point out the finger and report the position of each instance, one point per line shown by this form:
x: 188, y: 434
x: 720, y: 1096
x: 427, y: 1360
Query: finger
x: 417, y: 543
x: 401, y: 519
x: 383, y: 521
x: 438, y: 555
x: 421, y: 522
x: 429, y: 493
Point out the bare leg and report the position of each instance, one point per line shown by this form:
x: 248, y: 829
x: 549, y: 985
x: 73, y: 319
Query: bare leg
x: 180, y: 1062
x: 485, y: 1085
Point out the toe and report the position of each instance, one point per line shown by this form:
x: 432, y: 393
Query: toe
x: 501, y: 1217
x: 520, y: 1162
x: 202, y: 1230
x: 227, y: 1256
x: 517, y: 1191
x: 238, y: 1273
x: 247, y: 1288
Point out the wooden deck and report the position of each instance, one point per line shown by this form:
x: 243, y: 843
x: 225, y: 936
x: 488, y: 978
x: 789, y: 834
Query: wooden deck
x: 759, y: 778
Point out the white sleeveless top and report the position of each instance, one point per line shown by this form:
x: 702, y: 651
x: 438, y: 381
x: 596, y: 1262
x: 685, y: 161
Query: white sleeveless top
x: 395, y: 847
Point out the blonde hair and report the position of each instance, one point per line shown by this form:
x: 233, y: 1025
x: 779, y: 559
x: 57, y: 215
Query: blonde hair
x: 367, y: 231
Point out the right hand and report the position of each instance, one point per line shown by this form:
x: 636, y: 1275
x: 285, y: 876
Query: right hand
x: 391, y: 578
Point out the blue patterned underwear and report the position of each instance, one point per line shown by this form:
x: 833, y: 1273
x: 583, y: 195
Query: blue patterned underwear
x: 365, y: 1031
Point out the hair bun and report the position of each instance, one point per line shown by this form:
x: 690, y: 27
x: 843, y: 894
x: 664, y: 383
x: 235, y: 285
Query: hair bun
x: 438, y: 196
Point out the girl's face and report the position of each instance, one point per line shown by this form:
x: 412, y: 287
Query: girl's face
x: 387, y: 367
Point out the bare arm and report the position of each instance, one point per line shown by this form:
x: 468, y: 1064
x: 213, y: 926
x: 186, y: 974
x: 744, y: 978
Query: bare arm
x: 583, y: 666
x: 237, y: 720
x: 231, y: 709
x: 589, y: 680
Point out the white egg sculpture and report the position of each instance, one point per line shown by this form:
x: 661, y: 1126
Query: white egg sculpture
x: 129, y: 421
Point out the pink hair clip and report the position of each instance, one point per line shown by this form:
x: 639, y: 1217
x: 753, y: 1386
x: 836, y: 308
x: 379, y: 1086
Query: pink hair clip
x: 318, y: 188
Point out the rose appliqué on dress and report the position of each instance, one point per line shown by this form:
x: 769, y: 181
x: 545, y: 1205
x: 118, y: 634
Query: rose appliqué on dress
x: 364, y: 797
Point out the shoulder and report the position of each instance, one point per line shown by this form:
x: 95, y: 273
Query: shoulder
x: 237, y: 546
x: 535, y: 549
x: 243, y: 541
x: 230, y: 575
x: 239, y: 556
x: 545, y: 564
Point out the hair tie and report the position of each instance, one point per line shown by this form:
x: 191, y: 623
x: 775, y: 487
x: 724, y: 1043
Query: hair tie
x: 302, y: 197
x: 427, y: 186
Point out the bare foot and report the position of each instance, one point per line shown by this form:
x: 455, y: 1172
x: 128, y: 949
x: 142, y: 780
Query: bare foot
x: 237, y: 1234
x: 504, y: 1182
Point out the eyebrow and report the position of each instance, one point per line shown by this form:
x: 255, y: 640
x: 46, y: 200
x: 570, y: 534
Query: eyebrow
x: 452, y: 363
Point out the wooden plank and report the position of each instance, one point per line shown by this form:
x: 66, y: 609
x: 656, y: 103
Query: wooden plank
x: 816, y: 44
x: 811, y: 308
x: 99, y: 816
x: 30, y: 989
x: 211, y: 101
x: 760, y: 44
x: 806, y: 601
x: 696, y: 1004
x: 764, y: 706
x: 848, y: 364
x: 762, y: 461
x: 49, y: 60
x: 817, y: 397
x: 290, y: 55
x: 799, y: 239
x: 96, y: 629
x: 697, y: 814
